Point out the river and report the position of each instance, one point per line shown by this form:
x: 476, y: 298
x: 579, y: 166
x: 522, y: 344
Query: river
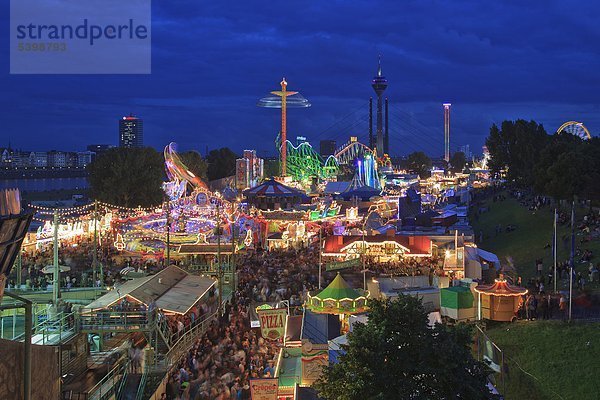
x: 38, y: 185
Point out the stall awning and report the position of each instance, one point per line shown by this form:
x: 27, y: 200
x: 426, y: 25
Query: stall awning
x: 172, y: 289
x: 491, y: 258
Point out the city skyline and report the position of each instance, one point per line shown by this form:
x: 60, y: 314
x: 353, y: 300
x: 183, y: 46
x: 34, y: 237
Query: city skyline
x: 202, y: 93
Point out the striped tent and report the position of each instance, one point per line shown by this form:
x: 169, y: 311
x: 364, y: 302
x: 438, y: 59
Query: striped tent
x: 273, y: 195
x: 273, y: 188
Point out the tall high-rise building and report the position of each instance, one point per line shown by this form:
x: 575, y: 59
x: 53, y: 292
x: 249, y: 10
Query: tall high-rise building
x: 131, y: 132
x: 249, y: 170
x: 466, y: 149
x: 381, y: 141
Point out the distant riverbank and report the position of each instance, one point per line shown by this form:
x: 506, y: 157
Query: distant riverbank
x: 42, y: 173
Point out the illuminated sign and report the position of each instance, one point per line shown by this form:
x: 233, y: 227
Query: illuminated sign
x: 272, y: 322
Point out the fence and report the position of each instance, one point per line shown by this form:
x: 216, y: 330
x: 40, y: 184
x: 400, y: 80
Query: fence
x: 107, y: 388
x: 509, y: 378
x: 180, y: 347
x: 51, y: 331
x: 115, y: 321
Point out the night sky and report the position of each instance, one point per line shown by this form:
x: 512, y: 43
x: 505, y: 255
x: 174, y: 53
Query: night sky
x: 211, y: 62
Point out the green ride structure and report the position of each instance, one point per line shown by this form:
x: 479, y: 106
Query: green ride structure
x: 303, y: 163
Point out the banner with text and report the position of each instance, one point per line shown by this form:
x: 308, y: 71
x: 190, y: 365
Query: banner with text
x: 272, y: 322
x: 264, y: 389
x: 336, y: 266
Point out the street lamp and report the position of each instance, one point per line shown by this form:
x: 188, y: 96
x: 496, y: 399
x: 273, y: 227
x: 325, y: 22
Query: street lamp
x: 219, y: 269
x: 320, y: 252
x: 364, y: 248
x: 233, y: 242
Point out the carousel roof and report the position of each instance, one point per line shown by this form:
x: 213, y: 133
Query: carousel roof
x: 338, y: 298
x: 501, y: 288
x: 338, y: 289
x: 273, y: 188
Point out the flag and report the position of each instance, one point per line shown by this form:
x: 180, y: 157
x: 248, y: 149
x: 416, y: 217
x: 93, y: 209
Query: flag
x: 554, y: 235
x: 572, y: 258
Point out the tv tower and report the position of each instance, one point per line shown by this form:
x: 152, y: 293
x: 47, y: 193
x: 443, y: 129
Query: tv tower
x: 379, y: 84
x: 447, y: 131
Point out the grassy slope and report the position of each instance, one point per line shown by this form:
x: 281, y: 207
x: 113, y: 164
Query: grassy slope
x: 555, y: 353
x: 564, y: 358
x: 526, y: 243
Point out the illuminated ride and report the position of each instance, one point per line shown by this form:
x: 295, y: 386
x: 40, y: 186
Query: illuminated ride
x: 304, y: 163
x: 350, y: 151
x: 283, y: 99
x: 176, y: 169
x: 192, y: 217
x: 366, y: 169
x: 576, y: 129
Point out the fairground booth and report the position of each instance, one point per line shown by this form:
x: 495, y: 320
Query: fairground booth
x: 155, y: 302
x: 299, y: 362
x: 468, y: 261
x: 499, y: 301
x: 338, y: 298
x: 458, y: 303
x: 381, y: 248
x: 307, y: 337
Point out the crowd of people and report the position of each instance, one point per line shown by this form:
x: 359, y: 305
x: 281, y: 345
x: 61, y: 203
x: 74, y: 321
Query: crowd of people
x: 542, y: 300
x: 221, y: 363
x: 76, y: 253
x: 408, y: 266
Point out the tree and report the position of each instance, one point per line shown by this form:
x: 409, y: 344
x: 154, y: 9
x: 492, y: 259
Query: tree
x: 591, y: 173
x: 419, y: 163
x: 195, y: 163
x: 515, y: 148
x: 271, y: 168
x: 458, y: 161
x: 127, y: 177
x: 221, y: 163
x: 568, y: 167
x: 396, y: 355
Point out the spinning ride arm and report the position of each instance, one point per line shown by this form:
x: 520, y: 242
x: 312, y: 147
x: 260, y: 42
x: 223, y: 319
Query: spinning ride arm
x: 177, y: 170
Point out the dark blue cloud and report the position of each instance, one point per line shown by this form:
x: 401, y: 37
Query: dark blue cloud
x: 212, y: 60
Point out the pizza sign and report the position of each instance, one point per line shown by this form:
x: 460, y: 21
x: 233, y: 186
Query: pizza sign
x: 272, y: 322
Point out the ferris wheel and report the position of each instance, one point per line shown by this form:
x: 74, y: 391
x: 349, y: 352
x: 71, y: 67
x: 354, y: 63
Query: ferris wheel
x: 576, y: 129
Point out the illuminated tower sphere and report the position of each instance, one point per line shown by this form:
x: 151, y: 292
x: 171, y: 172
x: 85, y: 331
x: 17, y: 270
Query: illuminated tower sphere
x: 379, y: 84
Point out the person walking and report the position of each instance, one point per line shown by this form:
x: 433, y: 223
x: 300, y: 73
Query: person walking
x: 550, y: 305
x: 532, y: 307
x: 544, y: 308
x: 563, y: 306
x: 528, y: 308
